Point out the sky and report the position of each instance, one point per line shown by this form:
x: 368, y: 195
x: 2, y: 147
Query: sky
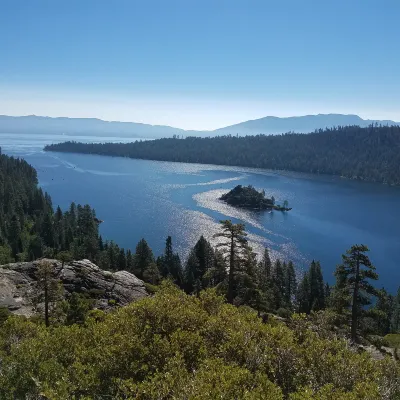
x: 199, y: 64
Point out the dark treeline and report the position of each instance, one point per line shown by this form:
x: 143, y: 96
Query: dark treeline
x: 369, y: 154
x: 29, y: 226
x: 31, y: 229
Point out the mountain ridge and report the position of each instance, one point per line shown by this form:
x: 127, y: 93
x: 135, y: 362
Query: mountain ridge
x: 269, y: 125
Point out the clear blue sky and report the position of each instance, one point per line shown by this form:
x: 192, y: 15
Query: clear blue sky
x: 199, y: 63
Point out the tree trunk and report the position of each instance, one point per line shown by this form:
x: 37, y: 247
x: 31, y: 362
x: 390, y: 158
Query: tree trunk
x: 354, y: 307
x: 231, y: 272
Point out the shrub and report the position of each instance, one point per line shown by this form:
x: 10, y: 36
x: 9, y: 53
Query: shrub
x: 175, y: 346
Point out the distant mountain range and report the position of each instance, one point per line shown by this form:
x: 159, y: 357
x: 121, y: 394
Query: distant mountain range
x: 303, y: 124
x: 96, y: 127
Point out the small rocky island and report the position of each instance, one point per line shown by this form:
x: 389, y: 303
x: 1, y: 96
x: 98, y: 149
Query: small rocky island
x: 248, y: 197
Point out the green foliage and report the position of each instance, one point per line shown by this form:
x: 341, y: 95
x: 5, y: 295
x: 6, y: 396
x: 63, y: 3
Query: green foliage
x: 64, y: 257
x: 395, y: 316
x: 393, y: 340
x: 77, y: 308
x: 5, y: 255
x: 233, y: 246
x: 170, y: 264
x: 50, y: 290
x: 200, y: 261
x: 172, y: 345
x: 4, y: 314
x: 353, y: 289
x: 142, y: 258
x: 311, y: 291
x: 350, y: 151
x: 152, y: 274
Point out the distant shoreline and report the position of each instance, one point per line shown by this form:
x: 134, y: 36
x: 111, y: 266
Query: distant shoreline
x: 359, y: 154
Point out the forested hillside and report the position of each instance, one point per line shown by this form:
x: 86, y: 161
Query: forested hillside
x: 370, y: 154
x: 31, y: 228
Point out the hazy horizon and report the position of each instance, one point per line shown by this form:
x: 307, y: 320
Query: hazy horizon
x: 178, y: 127
x: 199, y: 66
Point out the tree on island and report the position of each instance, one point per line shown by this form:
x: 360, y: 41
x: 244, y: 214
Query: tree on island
x: 249, y: 197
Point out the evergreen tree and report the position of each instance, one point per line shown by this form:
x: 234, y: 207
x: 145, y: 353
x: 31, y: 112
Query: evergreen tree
x: 47, y: 282
x: 205, y: 255
x: 170, y: 264
x: 64, y: 257
x: 317, y: 287
x: 152, y: 274
x: 354, y: 279
x: 232, y: 247
x: 247, y: 284
x: 383, y: 312
x: 176, y: 270
x: 278, y: 285
x: 130, y: 261
x: 142, y: 258
x: 304, y: 294
x: 122, y: 260
x: 264, y: 271
x: 15, y: 236
x: 290, y: 284
x: 200, y: 260
x: 77, y: 308
x: 216, y: 276
x: 395, y: 320
x: 191, y: 271
x: 340, y: 297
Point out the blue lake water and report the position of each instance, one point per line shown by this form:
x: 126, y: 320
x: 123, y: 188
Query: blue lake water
x: 150, y: 199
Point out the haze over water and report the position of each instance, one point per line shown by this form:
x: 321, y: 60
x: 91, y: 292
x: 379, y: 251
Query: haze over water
x: 139, y: 198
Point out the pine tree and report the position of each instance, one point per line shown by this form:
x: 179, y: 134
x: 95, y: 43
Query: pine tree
x: 64, y: 257
x: 152, y: 274
x: 247, y: 284
x: 395, y: 320
x: 317, y: 287
x: 129, y: 261
x: 142, y: 258
x: 205, y: 254
x: 191, y: 271
x: 170, y: 264
x: 217, y: 274
x: 167, y: 259
x: 383, y: 311
x: 200, y: 260
x: 290, y: 284
x: 303, y: 294
x: 15, y: 236
x: 232, y: 248
x: 264, y: 271
x: 122, y: 260
x: 278, y: 285
x: 354, y: 279
x: 46, y: 281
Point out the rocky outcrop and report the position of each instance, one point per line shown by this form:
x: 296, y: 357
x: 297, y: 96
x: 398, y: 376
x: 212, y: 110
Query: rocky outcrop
x: 19, y: 289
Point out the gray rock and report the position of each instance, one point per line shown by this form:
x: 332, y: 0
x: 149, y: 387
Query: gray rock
x: 18, y: 285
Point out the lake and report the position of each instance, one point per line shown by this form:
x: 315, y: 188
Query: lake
x: 150, y: 199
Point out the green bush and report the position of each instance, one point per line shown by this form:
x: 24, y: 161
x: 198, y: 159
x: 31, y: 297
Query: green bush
x: 175, y: 346
x: 4, y: 314
x: 283, y: 313
x: 393, y: 339
x: 151, y: 288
